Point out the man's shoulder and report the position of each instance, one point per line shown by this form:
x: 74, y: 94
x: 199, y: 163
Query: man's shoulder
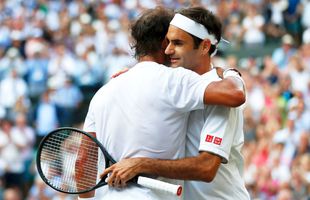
x: 162, y: 70
x: 212, y: 74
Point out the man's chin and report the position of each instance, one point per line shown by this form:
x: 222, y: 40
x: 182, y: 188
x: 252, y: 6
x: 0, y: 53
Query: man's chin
x: 174, y: 65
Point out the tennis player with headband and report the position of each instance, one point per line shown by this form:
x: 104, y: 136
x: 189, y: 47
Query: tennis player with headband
x: 214, y: 135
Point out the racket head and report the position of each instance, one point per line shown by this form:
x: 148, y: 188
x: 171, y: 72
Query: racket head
x: 68, y: 159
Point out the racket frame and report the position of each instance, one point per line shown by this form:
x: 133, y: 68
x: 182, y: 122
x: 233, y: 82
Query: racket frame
x: 142, y: 181
x: 107, y: 156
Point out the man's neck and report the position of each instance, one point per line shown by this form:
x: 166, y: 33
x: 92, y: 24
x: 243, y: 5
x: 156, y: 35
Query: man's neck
x: 203, y: 69
x: 147, y: 58
x: 156, y: 57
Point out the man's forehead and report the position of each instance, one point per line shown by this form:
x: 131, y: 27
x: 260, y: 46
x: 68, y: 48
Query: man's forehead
x: 175, y: 31
x: 192, y: 27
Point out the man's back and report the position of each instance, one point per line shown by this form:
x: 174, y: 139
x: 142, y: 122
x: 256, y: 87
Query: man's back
x: 144, y: 112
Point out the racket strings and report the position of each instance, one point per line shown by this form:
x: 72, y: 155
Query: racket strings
x: 67, y: 167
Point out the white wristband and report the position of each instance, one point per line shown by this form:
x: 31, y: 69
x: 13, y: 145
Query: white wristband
x: 89, y: 198
x: 231, y: 72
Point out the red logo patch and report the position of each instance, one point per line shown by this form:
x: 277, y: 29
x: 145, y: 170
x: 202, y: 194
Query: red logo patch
x: 217, y: 140
x: 209, y: 138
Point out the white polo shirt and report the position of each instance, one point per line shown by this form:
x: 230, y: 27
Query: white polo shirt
x: 218, y: 130
x: 144, y: 113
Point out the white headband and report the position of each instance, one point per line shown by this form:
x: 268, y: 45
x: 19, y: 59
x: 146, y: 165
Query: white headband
x: 192, y: 27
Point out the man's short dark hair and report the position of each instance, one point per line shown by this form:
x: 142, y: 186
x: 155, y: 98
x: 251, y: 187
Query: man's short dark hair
x: 149, y: 31
x: 206, y: 18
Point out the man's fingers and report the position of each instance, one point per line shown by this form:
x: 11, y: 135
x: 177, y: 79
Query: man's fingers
x: 119, y: 73
x: 219, y: 71
x: 111, y: 179
x: 117, y: 181
x: 106, y: 171
x: 123, y: 183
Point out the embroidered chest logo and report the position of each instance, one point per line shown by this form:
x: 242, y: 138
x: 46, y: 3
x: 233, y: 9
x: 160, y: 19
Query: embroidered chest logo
x: 209, y: 138
x: 215, y: 140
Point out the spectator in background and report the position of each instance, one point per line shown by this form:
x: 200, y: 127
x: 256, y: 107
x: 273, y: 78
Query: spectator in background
x: 17, y: 36
x: 4, y: 28
x: 299, y: 184
x: 275, y: 24
x: 252, y: 25
x: 24, y: 138
x: 12, y: 194
x: 4, y: 141
x: 282, y: 55
x: 61, y: 64
x: 233, y: 32
x: 284, y: 194
x: 45, y: 117
x: 13, y: 164
x: 68, y: 99
x: 12, y: 88
x: 288, y: 135
x: 11, y: 58
x: 119, y: 48
x: 117, y: 61
x: 292, y: 20
x: 255, y: 96
x: 41, y: 191
x: 90, y: 75
x: 305, y: 49
x: 298, y: 73
x: 36, y: 64
x: 305, y: 15
x: 300, y: 113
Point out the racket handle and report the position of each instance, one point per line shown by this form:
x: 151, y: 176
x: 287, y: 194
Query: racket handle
x: 160, y: 185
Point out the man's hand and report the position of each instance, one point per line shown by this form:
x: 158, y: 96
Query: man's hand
x: 219, y: 71
x: 119, y: 73
x: 122, y: 171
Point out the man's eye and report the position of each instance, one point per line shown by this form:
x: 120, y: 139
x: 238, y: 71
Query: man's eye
x: 178, y: 43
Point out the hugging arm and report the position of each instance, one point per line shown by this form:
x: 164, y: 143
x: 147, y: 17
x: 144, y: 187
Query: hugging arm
x: 202, y: 167
x: 230, y: 91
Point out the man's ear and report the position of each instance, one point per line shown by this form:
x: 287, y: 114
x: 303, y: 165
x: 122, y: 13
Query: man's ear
x: 205, y: 45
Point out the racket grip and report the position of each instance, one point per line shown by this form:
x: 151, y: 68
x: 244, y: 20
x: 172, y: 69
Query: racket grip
x: 160, y: 185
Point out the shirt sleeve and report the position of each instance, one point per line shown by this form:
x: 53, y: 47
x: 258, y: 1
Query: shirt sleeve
x: 186, y: 89
x: 217, y: 136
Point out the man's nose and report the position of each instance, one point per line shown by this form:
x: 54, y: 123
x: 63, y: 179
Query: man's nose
x: 169, y: 50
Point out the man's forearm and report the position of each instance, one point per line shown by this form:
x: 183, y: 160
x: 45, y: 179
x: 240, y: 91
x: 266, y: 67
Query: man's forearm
x: 87, y: 196
x: 86, y: 168
x: 227, y: 92
x: 202, y: 167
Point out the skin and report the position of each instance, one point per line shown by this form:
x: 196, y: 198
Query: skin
x: 203, y: 167
x: 81, y: 161
x: 181, y: 51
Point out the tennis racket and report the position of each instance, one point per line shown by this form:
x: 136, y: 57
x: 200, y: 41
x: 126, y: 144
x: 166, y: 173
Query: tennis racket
x: 68, y: 160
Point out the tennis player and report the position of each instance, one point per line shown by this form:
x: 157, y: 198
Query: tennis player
x: 215, y: 134
x: 144, y: 112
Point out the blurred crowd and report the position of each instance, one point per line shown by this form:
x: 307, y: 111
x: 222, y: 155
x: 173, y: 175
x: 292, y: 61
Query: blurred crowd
x: 54, y: 54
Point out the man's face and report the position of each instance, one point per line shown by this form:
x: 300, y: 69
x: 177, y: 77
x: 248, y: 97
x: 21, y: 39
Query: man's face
x: 163, y: 58
x: 181, y: 50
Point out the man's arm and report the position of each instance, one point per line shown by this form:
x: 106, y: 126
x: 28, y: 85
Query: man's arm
x: 202, y: 167
x: 81, y: 174
x: 228, y: 92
